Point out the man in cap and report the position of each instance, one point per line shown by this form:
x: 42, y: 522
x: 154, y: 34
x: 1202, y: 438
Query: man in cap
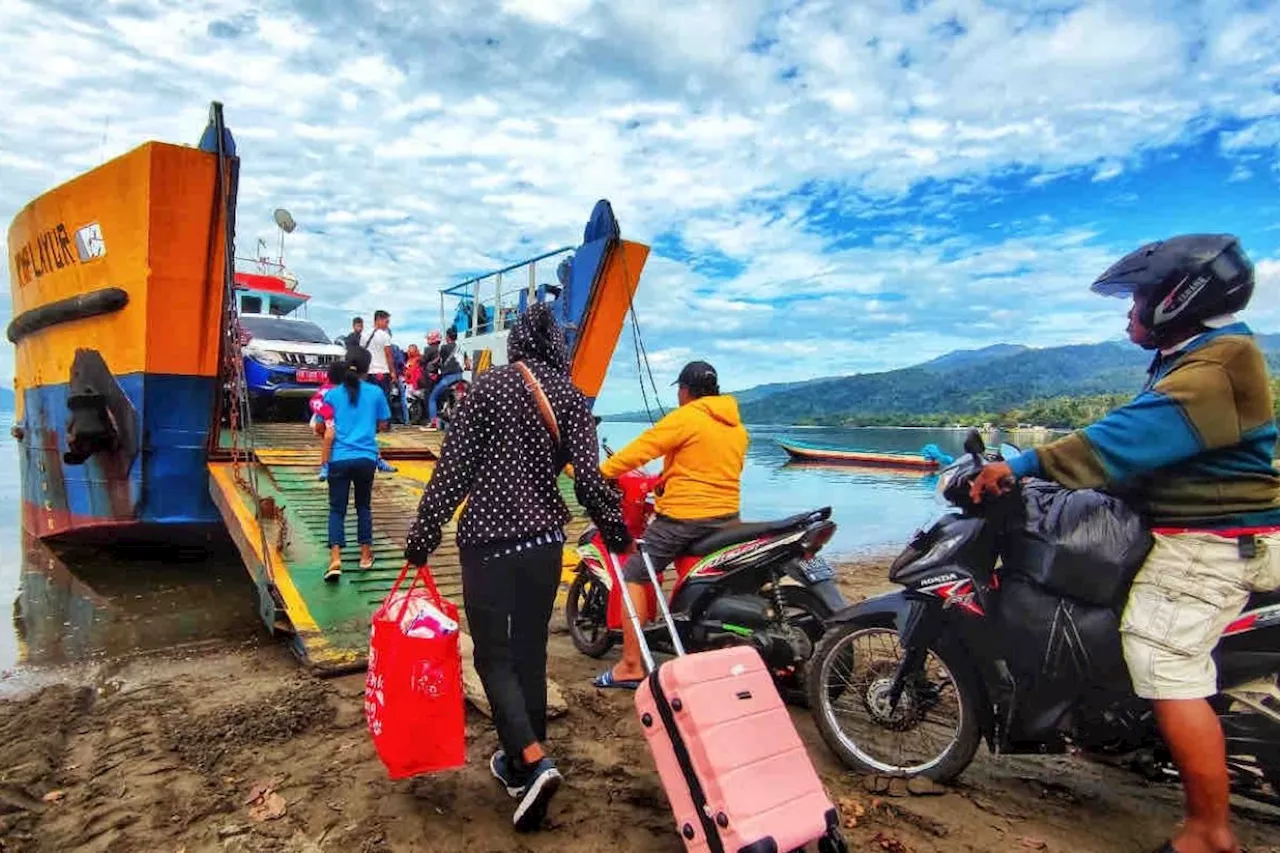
x: 703, y: 446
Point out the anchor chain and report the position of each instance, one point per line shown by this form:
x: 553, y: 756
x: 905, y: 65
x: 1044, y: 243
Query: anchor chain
x: 244, y: 459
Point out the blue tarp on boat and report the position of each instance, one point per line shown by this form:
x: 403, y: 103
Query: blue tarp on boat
x: 578, y: 273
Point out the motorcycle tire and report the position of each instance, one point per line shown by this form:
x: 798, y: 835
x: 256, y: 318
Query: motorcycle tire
x: 584, y: 586
x: 417, y: 411
x: 944, y: 767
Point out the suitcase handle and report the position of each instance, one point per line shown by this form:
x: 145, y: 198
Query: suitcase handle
x: 645, y: 651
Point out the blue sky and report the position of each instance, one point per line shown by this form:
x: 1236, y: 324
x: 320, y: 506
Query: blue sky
x: 829, y: 187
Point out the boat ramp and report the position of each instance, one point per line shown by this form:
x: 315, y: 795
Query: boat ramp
x: 284, y: 541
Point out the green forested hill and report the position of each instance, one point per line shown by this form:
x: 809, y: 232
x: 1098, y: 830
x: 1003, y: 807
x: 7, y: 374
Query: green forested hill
x: 1002, y: 380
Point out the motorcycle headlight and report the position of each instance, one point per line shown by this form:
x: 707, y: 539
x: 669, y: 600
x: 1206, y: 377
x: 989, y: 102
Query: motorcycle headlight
x: 945, y: 479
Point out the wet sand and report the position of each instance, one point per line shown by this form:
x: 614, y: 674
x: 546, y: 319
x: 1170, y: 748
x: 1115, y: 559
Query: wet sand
x: 164, y: 751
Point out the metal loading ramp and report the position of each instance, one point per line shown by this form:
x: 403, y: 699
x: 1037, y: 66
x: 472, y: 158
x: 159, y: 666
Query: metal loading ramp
x: 328, y: 623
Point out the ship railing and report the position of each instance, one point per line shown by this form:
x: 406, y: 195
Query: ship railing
x: 266, y: 266
x: 491, y: 302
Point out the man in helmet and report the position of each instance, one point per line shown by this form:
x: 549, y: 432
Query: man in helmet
x: 1195, y: 447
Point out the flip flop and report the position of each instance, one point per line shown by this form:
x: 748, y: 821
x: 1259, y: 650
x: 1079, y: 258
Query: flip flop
x: 605, y: 681
x: 364, y: 567
x: 333, y: 573
x: 1169, y: 848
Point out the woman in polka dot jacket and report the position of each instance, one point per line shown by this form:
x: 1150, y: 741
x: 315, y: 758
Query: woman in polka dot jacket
x: 501, y: 456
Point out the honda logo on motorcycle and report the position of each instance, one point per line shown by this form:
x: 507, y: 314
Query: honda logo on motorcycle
x: 959, y: 594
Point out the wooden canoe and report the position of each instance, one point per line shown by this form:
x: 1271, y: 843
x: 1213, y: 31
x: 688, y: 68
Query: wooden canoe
x: 831, y: 455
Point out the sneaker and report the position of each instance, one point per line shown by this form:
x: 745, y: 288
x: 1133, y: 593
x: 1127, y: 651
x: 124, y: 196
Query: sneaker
x: 324, y: 472
x: 544, y: 781
x: 385, y: 467
x: 506, y: 776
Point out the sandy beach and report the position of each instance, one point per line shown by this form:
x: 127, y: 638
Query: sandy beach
x: 229, y: 747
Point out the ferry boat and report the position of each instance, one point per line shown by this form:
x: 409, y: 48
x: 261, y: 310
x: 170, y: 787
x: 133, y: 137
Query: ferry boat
x: 117, y: 286
x: 130, y: 321
x: 145, y: 363
x: 589, y: 292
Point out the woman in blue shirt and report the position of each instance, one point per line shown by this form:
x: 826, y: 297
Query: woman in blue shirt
x: 360, y: 411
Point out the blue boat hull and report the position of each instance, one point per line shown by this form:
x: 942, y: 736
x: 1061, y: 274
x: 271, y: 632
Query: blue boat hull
x: 165, y: 484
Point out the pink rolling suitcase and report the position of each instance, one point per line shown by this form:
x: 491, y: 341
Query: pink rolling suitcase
x: 734, y: 768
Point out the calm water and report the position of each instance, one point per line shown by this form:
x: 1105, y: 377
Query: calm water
x: 875, y: 510
x: 76, y: 605
x: 71, y: 605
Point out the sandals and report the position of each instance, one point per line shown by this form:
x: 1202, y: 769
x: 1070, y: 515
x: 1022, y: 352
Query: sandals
x: 334, y: 572
x: 606, y: 681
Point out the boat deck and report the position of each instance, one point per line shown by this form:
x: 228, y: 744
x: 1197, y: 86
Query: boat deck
x: 328, y: 623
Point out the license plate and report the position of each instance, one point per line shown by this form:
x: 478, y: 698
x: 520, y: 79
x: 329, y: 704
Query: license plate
x: 817, y: 570
x: 311, y: 377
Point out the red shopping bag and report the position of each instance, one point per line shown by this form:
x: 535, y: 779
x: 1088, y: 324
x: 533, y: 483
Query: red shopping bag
x: 413, y: 695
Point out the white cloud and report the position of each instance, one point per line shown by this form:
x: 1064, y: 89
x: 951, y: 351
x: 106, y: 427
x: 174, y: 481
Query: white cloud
x: 1263, y: 134
x: 554, y: 12
x: 418, y: 142
x: 1107, y: 172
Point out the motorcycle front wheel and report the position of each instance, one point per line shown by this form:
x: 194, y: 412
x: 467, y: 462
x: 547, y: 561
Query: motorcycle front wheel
x: 586, y: 610
x: 932, y: 731
x: 445, y: 411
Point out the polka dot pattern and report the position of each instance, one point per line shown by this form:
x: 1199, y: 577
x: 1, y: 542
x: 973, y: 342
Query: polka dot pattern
x: 499, y: 452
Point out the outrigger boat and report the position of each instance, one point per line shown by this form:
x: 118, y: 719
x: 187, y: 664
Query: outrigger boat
x: 929, y: 459
x: 133, y: 412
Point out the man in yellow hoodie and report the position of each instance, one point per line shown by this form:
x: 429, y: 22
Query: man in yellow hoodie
x: 703, y: 445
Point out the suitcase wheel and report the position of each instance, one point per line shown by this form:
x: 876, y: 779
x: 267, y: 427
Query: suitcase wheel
x: 832, y: 842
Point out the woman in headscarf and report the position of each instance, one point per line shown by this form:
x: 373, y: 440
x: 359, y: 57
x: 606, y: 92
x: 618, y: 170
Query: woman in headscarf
x: 503, y: 452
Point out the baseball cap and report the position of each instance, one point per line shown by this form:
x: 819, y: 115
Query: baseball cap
x: 698, y: 375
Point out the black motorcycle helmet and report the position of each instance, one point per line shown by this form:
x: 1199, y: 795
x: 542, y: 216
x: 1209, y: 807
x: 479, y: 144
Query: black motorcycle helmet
x: 1181, y: 282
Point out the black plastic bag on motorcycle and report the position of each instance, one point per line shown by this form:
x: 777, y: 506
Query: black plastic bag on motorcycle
x: 1084, y: 544
x: 1054, y: 646
x: 1066, y: 573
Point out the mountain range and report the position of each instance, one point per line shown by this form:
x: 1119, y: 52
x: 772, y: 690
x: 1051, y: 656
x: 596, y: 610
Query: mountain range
x: 992, y: 379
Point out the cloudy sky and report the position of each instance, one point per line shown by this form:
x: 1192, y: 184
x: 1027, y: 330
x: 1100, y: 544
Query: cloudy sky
x: 829, y: 187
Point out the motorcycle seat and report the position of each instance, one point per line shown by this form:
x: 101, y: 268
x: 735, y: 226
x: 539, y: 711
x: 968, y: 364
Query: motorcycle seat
x: 1263, y: 599
x: 734, y: 534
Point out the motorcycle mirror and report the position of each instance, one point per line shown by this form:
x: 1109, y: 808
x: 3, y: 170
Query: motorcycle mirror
x: 974, y: 445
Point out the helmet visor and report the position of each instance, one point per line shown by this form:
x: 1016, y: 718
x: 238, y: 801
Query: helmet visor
x: 1118, y: 288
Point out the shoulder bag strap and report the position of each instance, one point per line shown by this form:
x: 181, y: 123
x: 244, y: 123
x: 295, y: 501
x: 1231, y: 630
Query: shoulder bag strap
x: 540, y: 399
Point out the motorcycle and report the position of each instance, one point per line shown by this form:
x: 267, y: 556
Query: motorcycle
x: 450, y: 401
x: 761, y: 584
x: 908, y: 683
x: 447, y: 407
